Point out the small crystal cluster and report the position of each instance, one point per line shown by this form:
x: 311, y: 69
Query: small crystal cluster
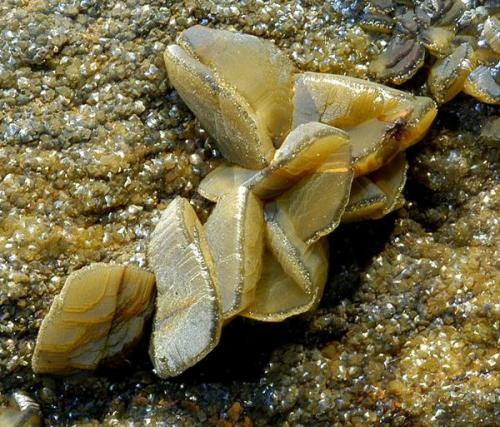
x: 463, y: 41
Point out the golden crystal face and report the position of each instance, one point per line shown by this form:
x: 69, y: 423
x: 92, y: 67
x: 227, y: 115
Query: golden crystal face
x: 99, y: 313
x: 220, y: 109
x: 309, y: 148
x: 222, y: 180
x: 250, y: 105
x: 188, y: 317
x: 316, y: 203
x: 256, y: 68
x: 379, y: 120
x: 378, y: 194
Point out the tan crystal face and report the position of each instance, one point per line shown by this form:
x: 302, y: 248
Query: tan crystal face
x: 188, y: 317
x: 299, y: 260
x: 100, y: 312
x: 235, y: 237
x: 224, y: 113
x: 309, y: 148
x: 256, y: 68
x: 278, y: 296
x: 376, y: 195
x: 223, y: 179
x: 316, y: 203
x: 380, y: 121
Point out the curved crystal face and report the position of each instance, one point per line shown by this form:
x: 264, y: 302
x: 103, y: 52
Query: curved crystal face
x: 278, y: 296
x: 379, y: 120
x: 100, y: 312
x: 188, y: 317
x: 222, y: 180
x: 306, y: 150
x: 235, y: 232
x: 399, y: 61
x: 491, y: 33
x: 310, y: 148
x: 484, y: 84
x: 378, y: 194
x: 222, y: 111
x: 448, y: 75
x: 239, y: 87
x: 260, y: 72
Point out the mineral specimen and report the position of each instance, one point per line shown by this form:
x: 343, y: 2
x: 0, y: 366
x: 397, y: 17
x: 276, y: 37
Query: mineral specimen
x: 99, y: 314
x: 92, y: 145
x: 309, y: 134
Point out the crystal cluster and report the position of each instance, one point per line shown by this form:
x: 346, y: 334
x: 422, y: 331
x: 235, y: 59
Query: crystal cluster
x: 70, y: 69
x: 463, y: 42
x: 296, y: 142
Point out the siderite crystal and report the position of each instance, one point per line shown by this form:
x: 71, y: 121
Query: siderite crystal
x: 99, y: 313
x: 188, y: 317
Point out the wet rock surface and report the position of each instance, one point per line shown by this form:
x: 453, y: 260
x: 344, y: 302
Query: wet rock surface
x: 93, y: 143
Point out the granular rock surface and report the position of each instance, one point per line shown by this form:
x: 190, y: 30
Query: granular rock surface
x: 93, y: 145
